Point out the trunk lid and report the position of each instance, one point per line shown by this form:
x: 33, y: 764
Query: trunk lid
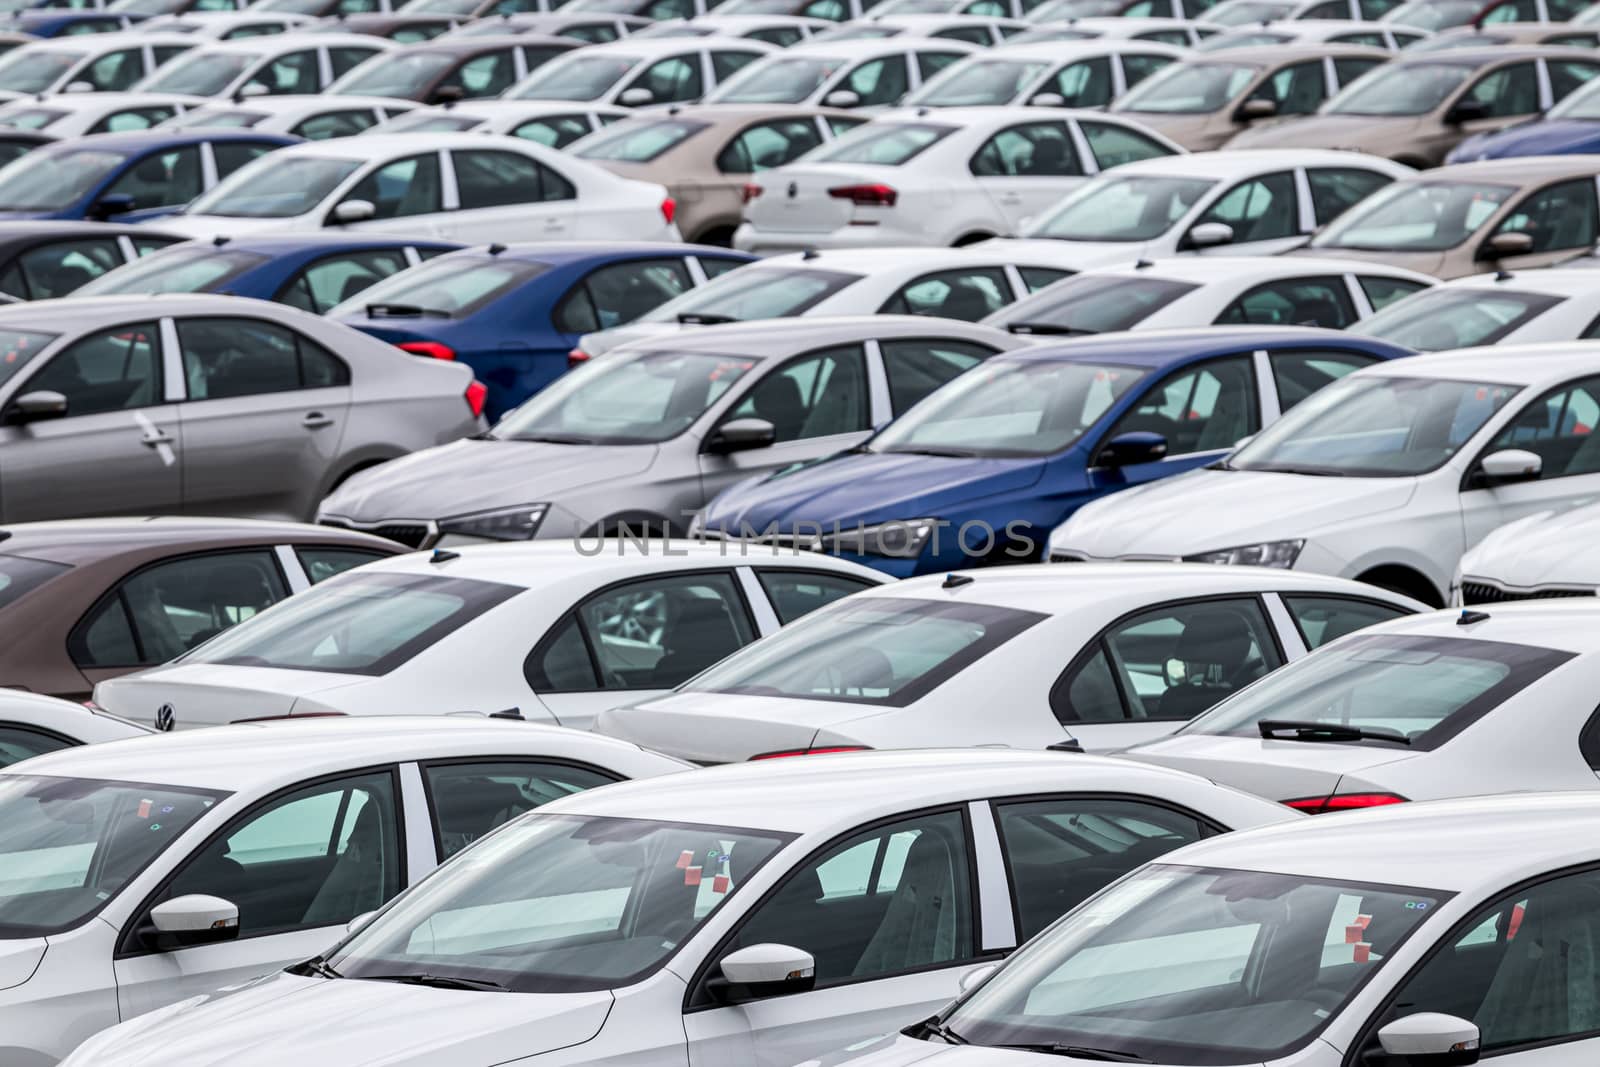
x: 796, y: 200
x: 1274, y: 769
x: 727, y: 727
x: 212, y: 694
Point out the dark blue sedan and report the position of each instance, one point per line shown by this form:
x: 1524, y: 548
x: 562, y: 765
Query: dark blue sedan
x: 513, y: 314
x: 1570, y: 128
x: 983, y: 468
x: 126, y: 176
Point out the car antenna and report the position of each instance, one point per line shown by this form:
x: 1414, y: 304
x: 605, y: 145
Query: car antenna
x: 1502, y: 275
x: 955, y: 581
x: 496, y: 248
x: 810, y: 254
x: 221, y: 239
x: 442, y: 555
x: 1468, y: 617
x: 1143, y: 264
x: 508, y: 713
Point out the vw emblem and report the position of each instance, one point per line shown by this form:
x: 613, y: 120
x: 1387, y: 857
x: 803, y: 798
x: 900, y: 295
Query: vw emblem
x: 794, y: 190
x: 166, y: 718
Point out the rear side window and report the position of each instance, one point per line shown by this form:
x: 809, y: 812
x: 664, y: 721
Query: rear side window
x: 1381, y: 291
x: 553, y: 131
x: 1321, y: 619
x: 797, y: 593
x: 20, y: 575
x: 322, y: 561
x: 1299, y: 374
x: 916, y: 367
x: 227, y: 357
x: 470, y: 799
x: 1114, y: 145
x: 967, y: 294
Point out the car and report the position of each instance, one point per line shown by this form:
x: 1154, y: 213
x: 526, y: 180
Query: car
x: 39, y: 260
x: 637, y: 73
x: 1085, y: 73
x: 1455, y: 221
x: 451, y: 186
x: 1207, y: 100
x: 778, y: 30
x: 831, y: 10
x: 292, y: 829
x: 708, y: 155
x: 597, y: 27
x: 264, y: 408
x: 281, y: 64
x: 15, y: 143
x: 97, y: 62
x: 313, y: 117
x: 467, y: 68
x: 994, y: 459
x: 863, y: 885
x: 1487, y: 309
x: 1383, y: 35
x: 32, y: 724
x: 1096, y: 657
x: 1185, y: 33
x: 472, y: 629
x: 76, y: 114
x: 1571, y: 127
x: 324, y: 9
x: 1210, y: 203
x: 868, y: 73
x: 1197, y: 291
x: 397, y: 27
x: 126, y: 176
x: 1511, y: 33
x: 24, y: 25
x: 90, y: 599
x: 225, y: 25
x: 705, y: 410
x: 966, y: 174
x: 1543, y: 556
x: 552, y: 123
x: 1417, y: 108
x: 1388, y: 477
x: 513, y: 314
x: 981, y: 30
x: 310, y: 271
x: 1245, y: 12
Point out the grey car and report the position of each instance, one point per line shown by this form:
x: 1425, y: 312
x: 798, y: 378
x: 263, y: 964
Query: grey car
x: 205, y: 404
x: 650, y: 433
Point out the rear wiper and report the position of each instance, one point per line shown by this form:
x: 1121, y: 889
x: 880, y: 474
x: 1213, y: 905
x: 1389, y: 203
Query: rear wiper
x: 1080, y: 1052
x: 437, y: 981
x: 703, y: 318
x: 1050, y: 329
x: 405, y: 311
x: 1274, y: 729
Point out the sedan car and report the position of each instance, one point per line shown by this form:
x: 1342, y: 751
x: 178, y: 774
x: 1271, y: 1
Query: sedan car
x: 1185, y: 33
x: 1084, y: 73
x: 39, y: 260
x: 97, y: 62
x: 981, y: 30
x: 1388, y: 476
x: 76, y: 114
x: 1487, y: 309
x: 636, y: 73
x: 778, y: 30
x: 32, y: 724
x: 796, y: 907
x: 224, y: 854
x: 1391, y: 37
x: 595, y: 27
x: 218, y: 25
x: 315, y: 117
x: 277, y: 65
x: 1571, y: 127
x: 1547, y: 555
x: 458, y: 69
x: 553, y: 123
x: 868, y: 73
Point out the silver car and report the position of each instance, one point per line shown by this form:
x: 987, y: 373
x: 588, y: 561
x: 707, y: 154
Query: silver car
x: 207, y: 404
x: 650, y: 433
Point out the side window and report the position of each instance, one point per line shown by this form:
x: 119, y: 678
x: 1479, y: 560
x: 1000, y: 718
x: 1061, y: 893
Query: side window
x: 470, y: 799
x: 335, y: 279
x: 145, y: 245
x: 1170, y: 662
x: 917, y: 367
x: 1510, y: 90
x: 293, y: 73
x: 1334, y: 189
x: 978, y: 35
x: 878, y: 82
x: 832, y: 10
x: 1294, y: 302
x: 164, y: 610
x: 1567, y: 75
x: 1559, y: 428
x: 1137, y: 66
x: 931, y: 63
x: 405, y: 187
x: 620, y: 293
x: 333, y: 124
x: 18, y: 743
x: 767, y: 145
x: 592, y: 32
x: 138, y: 118
x: 231, y: 155
x: 818, y: 395
x: 231, y: 357
x: 1350, y: 68
x: 1261, y: 209
x: 318, y: 856
x: 1381, y: 291
x: 344, y: 60
x: 967, y: 294
x: 1371, y: 40
x: 1085, y: 84
x: 485, y: 75
x: 839, y: 125
x: 1034, y: 149
x: 1036, y: 278
x: 322, y: 561
x: 114, y: 71
x: 554, y: 131
x: 890, y: 900
x: 117, y: 369
x: 781, y: 36
x: 58, y: 269
x: 1321, y: 619
x: 1556, y: 217
x: 1060, y: 851
x: 669, y: 9
x: 672, y: 80
x: 161, y: 179
x: 797, y: 593
x: 1297, y: 89
x: 717, y: 266
x: 1201, y: 409
x: 1299, y: 374
x: 725, y: 65
x: 496, y: 179
x: 1113, y: 144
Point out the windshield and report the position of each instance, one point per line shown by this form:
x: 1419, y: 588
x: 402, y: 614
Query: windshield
x: 980, y: 82
x: 30, y: 118
x: 49, y: 181
x: 275, y: 188
x: 199, y: 73
x: 1127, y: 208
x: 1375, y: 426
x: 753, y: 292
x: 1091, y: 304
x: 69, y: 845
x: 1415, y: 216
x: 176, y: 270
x: 574, y: 77
x: 33, y: 71
x: 1403, y: 89
x: 1437, y: 319
x: 882, y: 144
x: 1010, y: 407
x: 1584, y: 104
x: 638, y: 140
x: 1192, y: 965
x: 447, y: 287
x: 560, y: 904
x: 1192, y: 88
x: 403, y: 76
x: 1434, y: 14
x: 778, y: 81
x: 626, y: 399
x: 356, y: 623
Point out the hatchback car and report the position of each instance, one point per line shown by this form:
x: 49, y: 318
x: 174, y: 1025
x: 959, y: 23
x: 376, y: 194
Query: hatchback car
x: 277, y: 65
x: 96, y: 62
x: 1084, y: 73
x: 76, y: 114
x: 316, y: 117
x: 39, y: 260
x: 842, y: 74
x: 1487, y: 309
x: 552, y: 123
x: 1547, y: 555
x: 1571, y: 127
x: 459, y: 69
x: 637, y: 72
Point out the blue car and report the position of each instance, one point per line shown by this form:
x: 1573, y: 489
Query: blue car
x: 310, y: 271
x: 55, y: 22
x: 1570, y: 128
x: 514, y: 313
x: 129, y: 177
x: 982, y: 469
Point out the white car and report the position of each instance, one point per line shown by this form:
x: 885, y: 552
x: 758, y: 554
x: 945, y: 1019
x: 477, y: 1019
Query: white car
x: 554, y: 123
x: 949, y: 177
x: 140, y: 873
x: 1245, y: 12
x: 1407, y: 936
x: 1083, y: 73
x: 455, y: 186
x: 1185, y: 33
x: 1386, y: 476
x: 981, y: 30
x: 1543, y: 556
x: 280, y: 64
x: 1249, y: 202
x: 870, y: 73
x: 555, y: 630
x: 778, y: 30
x: 1488, y: 309
x: 636, y: 73
x: 314, y: 117
x: 32, y: 724
x: 752, y: 916
x: 226, y: 25
x: 91, y: 62
x: 1024, y: 657
x: 79, y: 114
x: 1199, y: 291
x: 1387, y: 35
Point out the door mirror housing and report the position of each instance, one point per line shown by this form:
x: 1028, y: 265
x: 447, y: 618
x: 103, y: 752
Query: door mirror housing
x: 250, y: 91
x: 37, y: 405
x: 1431, y: 1039
x: 638, y: 96
x: 768, y: 970
x: 1047, y: 100
x: 975, y: 977
x: 1506, y: 245
x: 1468, y: 110
x: 843, y: 98
x: 1211, y: 235
x: 354, y: 211
x: 740, y: 435
x: 1257, y: 108
x: 195, y: 919
x: 112, y: 204
x: 1510, y: 465
x: 79, y: 87
x: 1132, y: 448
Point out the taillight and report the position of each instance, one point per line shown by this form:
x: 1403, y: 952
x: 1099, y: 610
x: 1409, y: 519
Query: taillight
x: 431, y: 349
x: 577, y: 356
x: 669, y: 209
x: 477, y: 393
x: 810, y: 751
x: 751, y: 191
x: 874, y: 195
x: 1343, y: 802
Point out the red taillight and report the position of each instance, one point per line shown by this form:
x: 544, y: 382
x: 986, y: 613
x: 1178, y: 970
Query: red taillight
x: 811, y: 751
x: 577, y: 356
x: 669, y: 209
x: 477, y: 393
x: 431, y: 349
x: 751, y: 191
x: 1343, y: 802
x: 875, y: 195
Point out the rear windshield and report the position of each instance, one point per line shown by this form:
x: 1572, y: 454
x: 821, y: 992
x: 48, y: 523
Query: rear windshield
x: 177, y: 270
x: 20, y: 575
x: 754, y: 292
x: 639, y: 141
x: 1092, y: 304
x: 1437, y: 319
x: 1396, y: 690
x: 450, y: 287
x: 883, y: 145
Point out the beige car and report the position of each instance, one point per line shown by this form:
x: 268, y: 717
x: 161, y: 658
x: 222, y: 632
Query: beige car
x: 1454, y: 221
x: 706, y: 155
x: 1418, y: 108
x: 1203, y: 102
x: 1511, y: 33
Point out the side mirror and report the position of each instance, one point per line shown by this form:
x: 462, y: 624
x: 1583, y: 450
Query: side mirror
x: 1258, y: 108
x: 1132, y: 448
x: 638, y: 96
x: 79, y: 87
x: 1466, y: 111
x: 36, y: 406
x: 1211, y: 235
x: 113, y: 204
x: 1047, y: 100
x: 354, y: 211
x: 739, y: 435
x: 450, y: 94
x: 196, y: 919
x: 1431, y: 1039
x: 1506, y: 245
x: 768, y: 970
x: 359, y: 921
x: 1510, y: 465
x: 975, y: 977
x: 842, y: 98
x: 254, y: 89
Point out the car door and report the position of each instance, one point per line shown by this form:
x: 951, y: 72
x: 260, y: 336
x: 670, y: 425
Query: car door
x: 1561, y: 219
x: 119, y: 444
x: 1086, y: 83
x: 1506, y: 94
x: 407, y: 196
x: 264, y: 411
x: 509, y: 196
x: 878, y: 82
x: 673, y: 80
x: 298, y: 72
x: 1025, y: 168
x: 298, y: 865
x: 114, y: 71
x: 160, y: 179
x: 1264, y: 214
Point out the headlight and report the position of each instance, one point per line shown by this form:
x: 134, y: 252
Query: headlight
x: 901, y: 539
x: 1266, y: 554
x: 502, y: 524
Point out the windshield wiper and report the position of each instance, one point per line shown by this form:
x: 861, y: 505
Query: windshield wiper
x: 405, y: 311
x: 1081, y: 1052
x: 550, y: 438
x: 315, y: 965
x: 934, y: 450
x: 703, y: 318
x: 437, y: 981
x: 932, y: 1027
x: 1312, y: 472
x: 1274, y: 729
x: 1048, y: 329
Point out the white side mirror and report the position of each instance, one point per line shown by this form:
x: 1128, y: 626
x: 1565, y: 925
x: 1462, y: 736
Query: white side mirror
x: 976, y: 977
x: 1511, y: 465
x: 1047, y: 100
x: 1431, y: 1037
x: 638, y: 96
x: 79, y: 87
x: 195, y: 919
x: 253, y: 89
x: 354, y: 211
x: 768, y: 969
x: 843, y: 98
x: 1211, y: 234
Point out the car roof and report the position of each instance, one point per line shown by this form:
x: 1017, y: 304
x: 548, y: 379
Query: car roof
x: 1241, y: 162
x: 1551, y: 280
x: 866, y: 47
x: 466, y: 46
x: 135, y: 140
x: 1062, y: 51
x: 25, y: 229
x: 103, y: 42
x: 273, y: 43
x: 1519, y: 170
x: 1157, y: 348
x: 1283, y: 53
x: 290, y: 104
x: 738, y: 114
x: 1494, y: 53
x: 487, y: 110
x: 371, y: 146
x: 1530, y: 364
x: 88, y: 311
x: 95, y: 101
x: 874, y: 260
x: 561, y: 253
x: 316, y: 240
x: 649, y: 47
x: 1203, y: 270
x: 778, y: 337
x: 997, y: 114
x: 82, y: 540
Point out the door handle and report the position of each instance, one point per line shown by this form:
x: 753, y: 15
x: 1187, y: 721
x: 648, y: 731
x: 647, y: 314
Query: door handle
x: 315, y: 420
x: 154, y: 438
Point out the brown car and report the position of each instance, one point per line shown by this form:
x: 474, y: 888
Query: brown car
x: 1203, y: 102
x: 90, y: 599
x: 705, y: 155
x: 1510, y: 33
x: 1418, y: 108
x: 1514, y: 213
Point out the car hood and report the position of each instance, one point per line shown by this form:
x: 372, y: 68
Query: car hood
x: 727, y: 727
x: 1549, y: 137
x: 900, y: 1051
x: 352, y: 1023
x: 1277, y: 770
x: 212, y: 694
x: 1422, y: 262
x: 603, y: 341
x: 1206, y: 510
x: 208, y: 226
x: 1378, y: 134
x: 1544, y: 549
x: 466, y: 476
